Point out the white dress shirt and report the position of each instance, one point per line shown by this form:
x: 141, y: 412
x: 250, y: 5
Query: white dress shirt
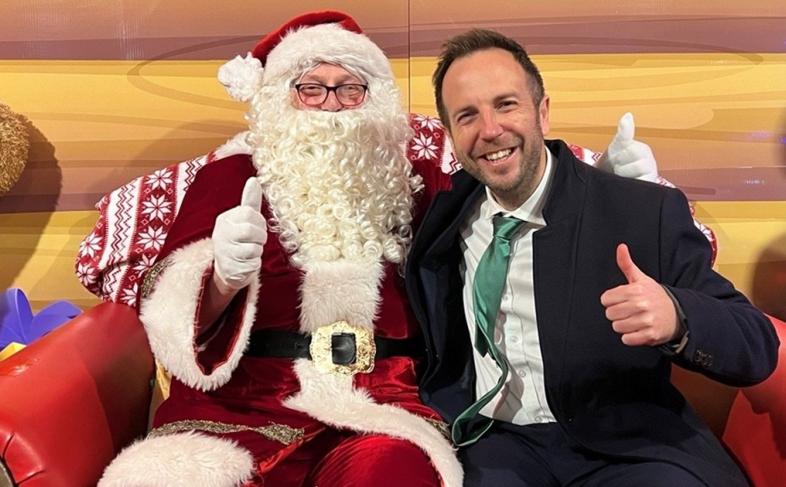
x: 522, y: 400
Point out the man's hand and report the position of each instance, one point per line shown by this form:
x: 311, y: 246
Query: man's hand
x: 640, y: 310
x: 238, y: 238
x: 627, y: 157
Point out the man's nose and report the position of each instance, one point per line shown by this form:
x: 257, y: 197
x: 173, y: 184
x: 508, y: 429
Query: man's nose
x: 489, y: 125
x: 331, y: 103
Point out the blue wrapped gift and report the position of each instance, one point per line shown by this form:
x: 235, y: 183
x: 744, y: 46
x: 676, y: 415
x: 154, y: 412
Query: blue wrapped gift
x: 19, y: 325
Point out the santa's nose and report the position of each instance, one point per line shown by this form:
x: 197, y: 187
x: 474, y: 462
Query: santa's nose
x: 331, y: 103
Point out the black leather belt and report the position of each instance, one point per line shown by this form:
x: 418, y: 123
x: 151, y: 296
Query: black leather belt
x: 286, y: 344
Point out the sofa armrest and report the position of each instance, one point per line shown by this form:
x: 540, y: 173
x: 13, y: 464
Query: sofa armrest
x: 73, y: 399
x: 756, y: 428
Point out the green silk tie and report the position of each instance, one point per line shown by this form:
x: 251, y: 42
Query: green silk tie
x: 490, y: 277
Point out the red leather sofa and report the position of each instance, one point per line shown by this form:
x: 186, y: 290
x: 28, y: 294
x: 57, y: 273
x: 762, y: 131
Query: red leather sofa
x: 70, y: 401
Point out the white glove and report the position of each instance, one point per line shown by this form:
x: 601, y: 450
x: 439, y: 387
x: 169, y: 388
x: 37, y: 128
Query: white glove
x: 238, y: 238
x: 627, y: 157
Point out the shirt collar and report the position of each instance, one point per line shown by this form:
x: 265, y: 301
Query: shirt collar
x: 532, y: 209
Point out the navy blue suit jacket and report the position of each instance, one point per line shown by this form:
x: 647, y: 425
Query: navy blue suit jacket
x: 610, y: 397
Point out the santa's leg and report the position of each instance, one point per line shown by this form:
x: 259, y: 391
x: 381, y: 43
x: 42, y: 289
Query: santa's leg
x: 375, y: 460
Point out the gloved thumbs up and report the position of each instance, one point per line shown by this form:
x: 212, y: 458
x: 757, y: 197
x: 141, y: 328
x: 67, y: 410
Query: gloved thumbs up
x: 252, y: 194
x: 628, y: 157
x: 626, y: 128
x: 239, y: 236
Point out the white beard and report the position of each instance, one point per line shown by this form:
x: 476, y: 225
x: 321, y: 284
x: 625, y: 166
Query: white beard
x: 338, y: 183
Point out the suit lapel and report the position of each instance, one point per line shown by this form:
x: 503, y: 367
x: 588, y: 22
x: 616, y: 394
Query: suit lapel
x: 433, y: 263
x: 449, y: 212
x: 555, y: 249
x: 439, y: 229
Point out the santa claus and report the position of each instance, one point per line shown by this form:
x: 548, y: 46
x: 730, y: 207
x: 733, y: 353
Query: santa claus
x: 276, y: 301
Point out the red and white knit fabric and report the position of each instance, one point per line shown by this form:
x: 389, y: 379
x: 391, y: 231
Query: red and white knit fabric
x: 133, y: 222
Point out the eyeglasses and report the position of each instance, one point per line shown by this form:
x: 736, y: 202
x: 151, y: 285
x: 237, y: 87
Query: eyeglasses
x: 315, y: 94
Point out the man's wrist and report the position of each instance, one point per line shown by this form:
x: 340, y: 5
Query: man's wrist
x: 677, y: 344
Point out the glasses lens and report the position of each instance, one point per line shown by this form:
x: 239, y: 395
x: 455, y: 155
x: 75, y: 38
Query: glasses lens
x: 312, y: 94
x: 350, y: 94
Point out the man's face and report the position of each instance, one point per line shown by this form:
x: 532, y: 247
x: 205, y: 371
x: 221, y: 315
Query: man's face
x: 344, y: 89
x: 495, y: 126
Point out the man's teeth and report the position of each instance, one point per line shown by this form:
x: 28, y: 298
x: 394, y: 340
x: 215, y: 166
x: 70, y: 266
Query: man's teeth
x: 495, y: 156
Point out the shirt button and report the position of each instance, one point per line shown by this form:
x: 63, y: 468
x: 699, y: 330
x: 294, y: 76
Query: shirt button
x: 540, y: 419
x: 515, y: 339
x: 521, y: 373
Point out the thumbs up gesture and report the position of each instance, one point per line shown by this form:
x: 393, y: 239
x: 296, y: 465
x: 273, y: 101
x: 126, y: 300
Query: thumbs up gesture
x: 627, y: 157
x: 238, y: 238
x: 640, y: 310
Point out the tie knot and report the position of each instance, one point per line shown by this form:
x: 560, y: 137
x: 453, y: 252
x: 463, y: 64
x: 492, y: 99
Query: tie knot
x: 506, y: 226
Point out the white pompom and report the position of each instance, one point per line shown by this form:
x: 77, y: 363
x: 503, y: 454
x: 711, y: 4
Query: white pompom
x: 241, y: 77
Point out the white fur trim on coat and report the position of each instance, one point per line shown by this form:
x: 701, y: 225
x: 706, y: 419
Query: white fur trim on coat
x: 348, y: 290
x: 339, y: 290
x: 236, y: 145
x: 353, y: 409
x: 180, y: 460
x: 169, y: 316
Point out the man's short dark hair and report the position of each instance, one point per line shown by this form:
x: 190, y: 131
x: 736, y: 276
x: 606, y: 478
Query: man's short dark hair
x: 478, y: 40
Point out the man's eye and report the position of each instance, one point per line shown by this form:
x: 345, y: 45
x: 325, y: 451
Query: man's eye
x: 311, y: 90
x: 464, y: 118
x: 351, y: 89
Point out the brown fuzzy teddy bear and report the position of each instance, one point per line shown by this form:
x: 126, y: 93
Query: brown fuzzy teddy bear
x: 14, y: 146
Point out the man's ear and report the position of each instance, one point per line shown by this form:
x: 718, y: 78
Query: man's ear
x: 543, y: 114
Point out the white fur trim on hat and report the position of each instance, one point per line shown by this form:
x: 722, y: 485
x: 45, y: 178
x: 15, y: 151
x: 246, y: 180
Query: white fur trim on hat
x: 169, y: 317
x: 180, y: 460
x: 241, y: 77
x: 301, y: 49
x: 328, y: 43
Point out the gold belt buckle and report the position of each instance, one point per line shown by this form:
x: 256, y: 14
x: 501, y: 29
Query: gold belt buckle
x: 321, y: 349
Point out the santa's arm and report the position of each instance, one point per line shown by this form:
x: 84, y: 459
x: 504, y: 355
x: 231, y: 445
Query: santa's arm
x: 134, y: 220
x: 628, y: 157
x: 631, y: 158
x: 200, y: 353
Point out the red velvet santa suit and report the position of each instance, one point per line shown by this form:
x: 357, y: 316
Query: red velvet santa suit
x: 256, y: 394
x: 233, y: 418
x: 299, y: 425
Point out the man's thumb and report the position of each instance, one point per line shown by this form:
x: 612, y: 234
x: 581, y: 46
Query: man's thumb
x: 627, y: 266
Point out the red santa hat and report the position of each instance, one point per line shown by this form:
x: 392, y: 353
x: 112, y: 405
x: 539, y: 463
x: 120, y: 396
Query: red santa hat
x: 283, y: 54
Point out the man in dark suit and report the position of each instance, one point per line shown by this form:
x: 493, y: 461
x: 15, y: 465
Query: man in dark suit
x: 555, y: 298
